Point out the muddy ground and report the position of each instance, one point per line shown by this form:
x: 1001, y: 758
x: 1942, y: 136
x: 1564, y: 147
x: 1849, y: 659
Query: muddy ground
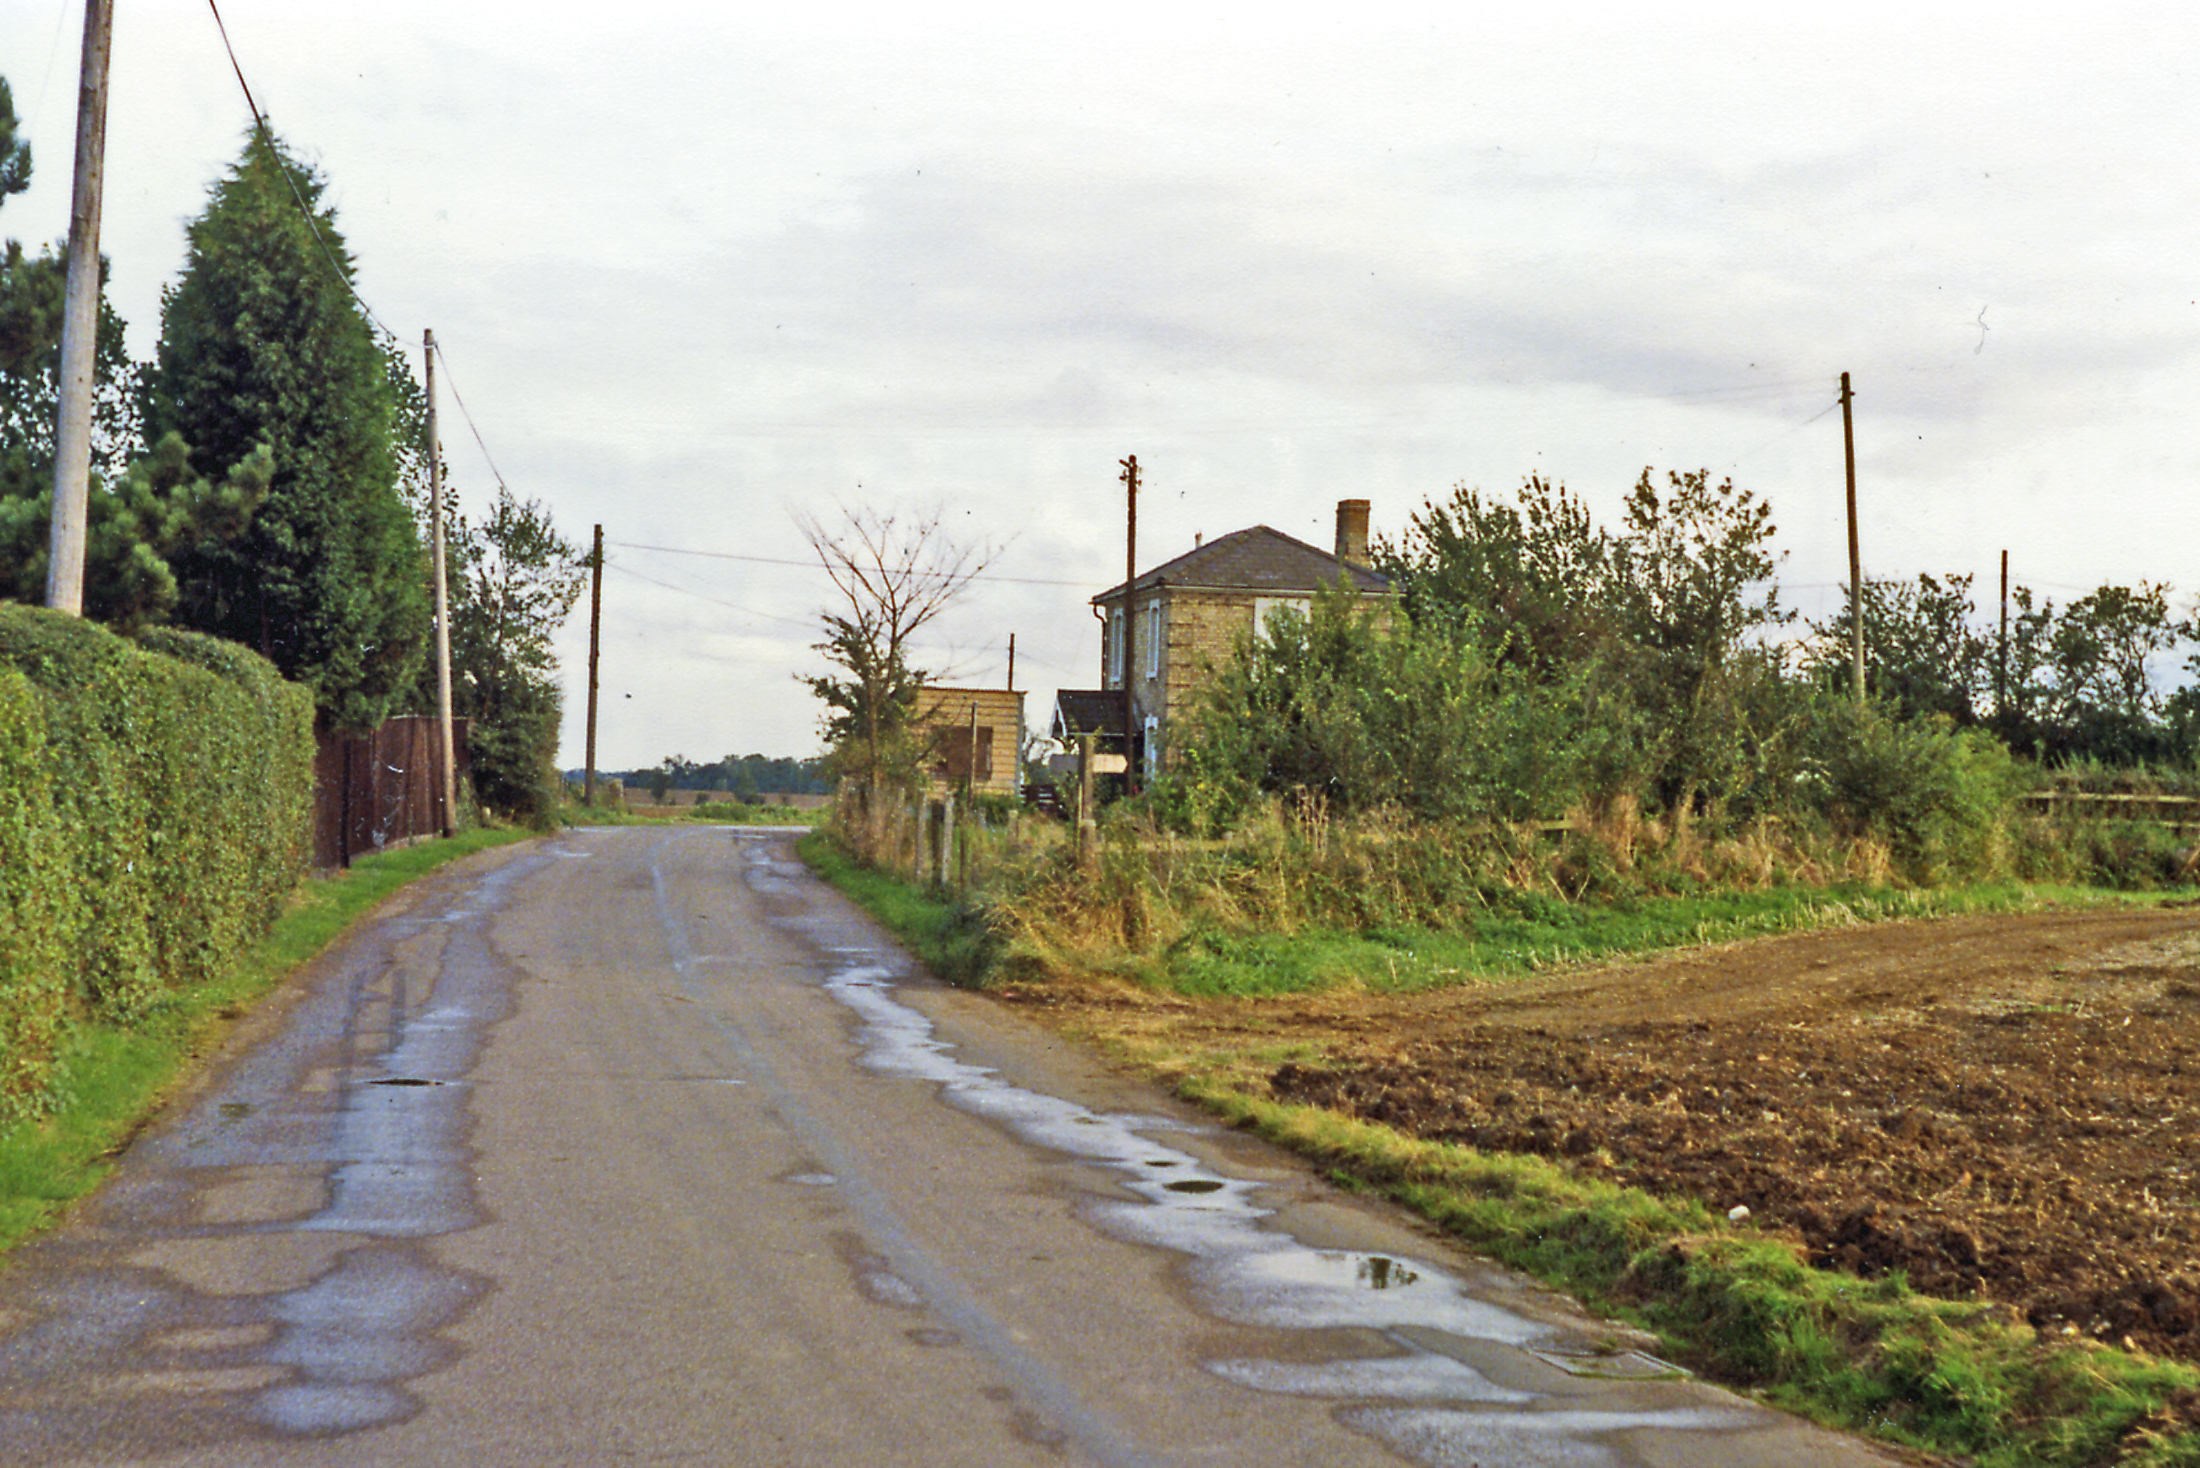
x: 2005, y: 1107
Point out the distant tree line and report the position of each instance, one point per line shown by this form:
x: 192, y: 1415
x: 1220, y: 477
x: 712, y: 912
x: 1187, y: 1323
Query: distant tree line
x: 745, y: 777
x: 265, y: 479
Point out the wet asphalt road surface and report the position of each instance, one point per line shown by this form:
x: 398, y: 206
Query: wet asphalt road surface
x: 641, y: 1146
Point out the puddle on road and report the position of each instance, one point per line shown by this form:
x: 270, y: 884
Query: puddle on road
x: 379, y: 1154
x: 1421, y: 1401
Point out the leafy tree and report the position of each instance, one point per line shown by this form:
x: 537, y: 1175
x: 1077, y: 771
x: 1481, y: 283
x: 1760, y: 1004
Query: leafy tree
x: 32, y: 292
x: 1694, y: 568
x: 135, y: 528
x: 513, y: 579
x: 1364, y: 712
x: 15, y: 153
x: 141, y: 511
x: 894, y: 576
x: 1923, y: 655
x: 2081, y: 680
x: 1529, y: 575
x: 263, y: 342
x: 1691, y: 588
x: 1662, y: 618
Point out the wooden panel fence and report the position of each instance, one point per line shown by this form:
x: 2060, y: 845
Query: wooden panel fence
x: 2179, y: 812
x: 380, y: 788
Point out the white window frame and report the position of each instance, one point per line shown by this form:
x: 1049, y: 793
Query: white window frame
x: 1113, y: 672
x: 1153, y: 639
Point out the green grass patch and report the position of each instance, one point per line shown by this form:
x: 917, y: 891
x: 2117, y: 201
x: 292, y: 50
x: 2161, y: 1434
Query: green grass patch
x: 1868, y: 1356
x: 954, y: 941
x: 115, y: 1078
x: 1536, y: 933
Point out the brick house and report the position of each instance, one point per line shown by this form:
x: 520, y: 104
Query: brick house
x: 976, y: 733
x: 1188, y: 616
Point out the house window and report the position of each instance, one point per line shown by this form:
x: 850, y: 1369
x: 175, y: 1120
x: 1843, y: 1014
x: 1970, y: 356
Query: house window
x: 1153, y: 640
x: 1265, y: 607
x: 1114, y: 638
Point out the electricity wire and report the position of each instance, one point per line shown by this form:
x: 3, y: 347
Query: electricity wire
x: 450, y: 378
x: 313, y: 224
x: 675, y: 550
x: 627, y: 570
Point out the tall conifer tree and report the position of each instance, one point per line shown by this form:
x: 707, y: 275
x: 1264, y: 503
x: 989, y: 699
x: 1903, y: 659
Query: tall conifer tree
x: 262, y: 341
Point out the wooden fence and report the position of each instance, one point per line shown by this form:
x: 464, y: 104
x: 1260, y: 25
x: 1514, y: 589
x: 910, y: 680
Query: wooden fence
x: 2179, y: 812
x: 381, y: 788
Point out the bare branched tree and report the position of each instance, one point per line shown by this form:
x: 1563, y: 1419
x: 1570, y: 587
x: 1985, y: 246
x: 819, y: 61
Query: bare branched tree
x: 893, y: 574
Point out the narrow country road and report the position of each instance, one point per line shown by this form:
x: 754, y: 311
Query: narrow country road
x: 641, y: 1146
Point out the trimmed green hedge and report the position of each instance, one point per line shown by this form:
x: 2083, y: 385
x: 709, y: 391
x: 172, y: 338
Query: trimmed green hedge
x: 155, y: 809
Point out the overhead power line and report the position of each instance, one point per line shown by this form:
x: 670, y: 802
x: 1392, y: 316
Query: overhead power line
x: 313, y: 224
x: 452, y: 383
x: 677, y: 550
x: 626, y: 570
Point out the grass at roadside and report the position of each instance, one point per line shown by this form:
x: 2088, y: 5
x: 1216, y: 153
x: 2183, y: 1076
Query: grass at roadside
x: 952, y: 942
x: 117, y: 1078
x: 1542, y: 934
x: 1946, y: 1377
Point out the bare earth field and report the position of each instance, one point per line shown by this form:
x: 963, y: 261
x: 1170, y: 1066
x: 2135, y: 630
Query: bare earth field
x: 2005, y: 1108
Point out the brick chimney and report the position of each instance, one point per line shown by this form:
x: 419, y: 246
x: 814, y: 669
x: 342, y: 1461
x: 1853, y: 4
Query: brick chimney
x: 1352, y: 534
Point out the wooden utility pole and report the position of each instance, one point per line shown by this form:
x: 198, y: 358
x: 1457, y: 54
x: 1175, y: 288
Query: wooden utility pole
x: 1011, y: 662
x: 595, y: 625
x: 72, y: 458
x: 2001, y: 660
x: 1856, y: 564
x: 442, y: 603
x: 1129, y: 639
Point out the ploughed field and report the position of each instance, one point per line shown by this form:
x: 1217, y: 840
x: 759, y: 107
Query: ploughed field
x: 2004, y: 1108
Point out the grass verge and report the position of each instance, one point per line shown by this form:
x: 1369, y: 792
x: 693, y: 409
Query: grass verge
x: 1869, y: 1356
x: 116, y: 1079
x: 1542, y: 933
x: 954, y: 942
x: 1944, y: 1377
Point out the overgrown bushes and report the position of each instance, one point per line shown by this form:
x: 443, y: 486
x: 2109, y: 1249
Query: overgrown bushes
x: 155, y: 806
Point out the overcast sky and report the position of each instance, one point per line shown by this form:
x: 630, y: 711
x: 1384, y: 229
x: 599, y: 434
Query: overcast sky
x: 696, y: 273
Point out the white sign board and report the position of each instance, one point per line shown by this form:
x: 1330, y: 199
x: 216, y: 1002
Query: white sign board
x: 1102, y: 764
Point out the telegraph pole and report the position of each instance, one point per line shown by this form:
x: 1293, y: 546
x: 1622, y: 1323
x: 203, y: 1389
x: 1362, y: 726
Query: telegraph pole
x: 442, y: 603
x: 1856, y: 564
x: 1129, y: 476
x: 72, y: 459
x: 595, y: 623
x: 2001, y: 657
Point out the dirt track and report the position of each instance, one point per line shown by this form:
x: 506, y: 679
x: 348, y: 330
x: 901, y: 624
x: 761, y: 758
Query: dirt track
x: 2006, y: 1108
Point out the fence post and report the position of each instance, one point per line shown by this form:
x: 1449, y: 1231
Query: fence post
x: 1088, y: 827
x: 948, y: 853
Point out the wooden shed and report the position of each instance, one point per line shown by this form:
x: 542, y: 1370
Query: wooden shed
x: 975, y: 734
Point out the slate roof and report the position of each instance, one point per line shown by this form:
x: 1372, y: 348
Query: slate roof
x: 1258, y: 559
x: 1088, y: 711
